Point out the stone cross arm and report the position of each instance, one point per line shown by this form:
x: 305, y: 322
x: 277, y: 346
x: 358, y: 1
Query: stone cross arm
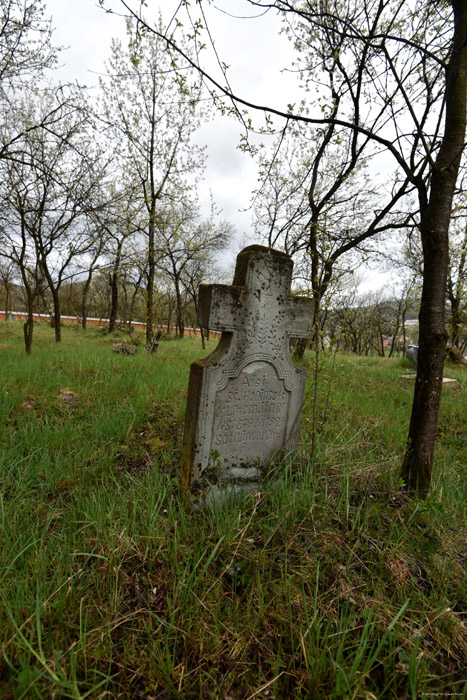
x: 219, y: 307
x: 300, y: 311
x: 222, y: 308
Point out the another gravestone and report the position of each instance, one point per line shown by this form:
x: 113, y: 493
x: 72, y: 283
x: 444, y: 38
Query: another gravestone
x: 244, y: 400
x: 124, y: 348
x: 412, y: 354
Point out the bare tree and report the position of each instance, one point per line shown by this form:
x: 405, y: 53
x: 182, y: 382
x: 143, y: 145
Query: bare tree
x: 8, y: 272
x: 183, y: 240
x: 48, y: 192
x: 316, y: 199
x: 94, y: 253
x: 17, y: 246
x: 26, y: 52
x: 154, y: 112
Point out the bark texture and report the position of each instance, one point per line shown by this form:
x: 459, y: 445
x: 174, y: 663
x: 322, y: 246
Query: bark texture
x: 435, y: 220
x: 114, y: 279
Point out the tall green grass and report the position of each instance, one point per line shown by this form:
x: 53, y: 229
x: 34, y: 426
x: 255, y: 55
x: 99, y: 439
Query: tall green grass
x: 328, y: 584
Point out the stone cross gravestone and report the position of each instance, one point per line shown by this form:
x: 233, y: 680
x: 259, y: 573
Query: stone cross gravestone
x: 412, y: 354
x: 244, y: 400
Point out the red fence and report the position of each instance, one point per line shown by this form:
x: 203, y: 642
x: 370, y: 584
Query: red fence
x: 138, y: 325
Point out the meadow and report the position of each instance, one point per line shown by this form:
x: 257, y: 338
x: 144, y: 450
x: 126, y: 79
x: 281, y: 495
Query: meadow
x: 330, y: 583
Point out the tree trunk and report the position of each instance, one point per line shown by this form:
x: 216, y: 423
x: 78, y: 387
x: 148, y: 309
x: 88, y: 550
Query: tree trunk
x: 434, y: 227
x: 56, y: 316
x: 404, y: 334
x: 54, y: 289
x: 133, y: 300
x: 299, y: 348
x: 114, y: 278
x: 178, y: 297
x: 456, y: 322
x: 456, y: 292
x: 84, y: 311
x: 28, y: 327
x: 7, y: 302
x: 150, y: 291
x: 396, y: 332
x: 84, y: 301
x: 201, y: 329
x: 381, y: 345
x: 113, y: 301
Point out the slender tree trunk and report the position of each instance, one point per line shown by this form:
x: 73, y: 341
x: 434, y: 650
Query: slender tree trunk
x: 28, y: 331
x: 322, y: 325
x: 150, y: 288
x: 133, y: 300
x: 124, y: 311
x: 56, y: 315
x: 84, y: 301
x: 54, y: 289
x: 130, y: 315
x: 84, y: 310
x: 456, y: 322
x: 435, y: 219
x: 7, y: 301
x: 155, y: 193
x: 114, y: 278
x: 87, y: 286
x: 404, y: 334
x: 396, y: 331
x: 316, y: 379
x: 456, y: 292
x: 113, y: 301
x: 28, y: 327
x: 179, y: 309
x: 201, y: 330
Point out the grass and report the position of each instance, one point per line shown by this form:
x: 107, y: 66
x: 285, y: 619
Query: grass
x: 329, y: 584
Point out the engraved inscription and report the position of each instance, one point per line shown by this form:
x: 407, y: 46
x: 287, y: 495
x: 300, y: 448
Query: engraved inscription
x: 251, y: 411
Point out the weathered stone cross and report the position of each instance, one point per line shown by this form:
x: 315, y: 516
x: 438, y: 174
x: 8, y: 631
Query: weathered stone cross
x: 244, y: 400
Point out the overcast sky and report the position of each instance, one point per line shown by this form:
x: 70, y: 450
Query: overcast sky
x: 257, y: 53
x: 256, y: 63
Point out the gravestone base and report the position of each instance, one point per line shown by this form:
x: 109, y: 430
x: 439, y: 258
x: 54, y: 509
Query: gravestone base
x: 241, y: 482
x: 221, y: 494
